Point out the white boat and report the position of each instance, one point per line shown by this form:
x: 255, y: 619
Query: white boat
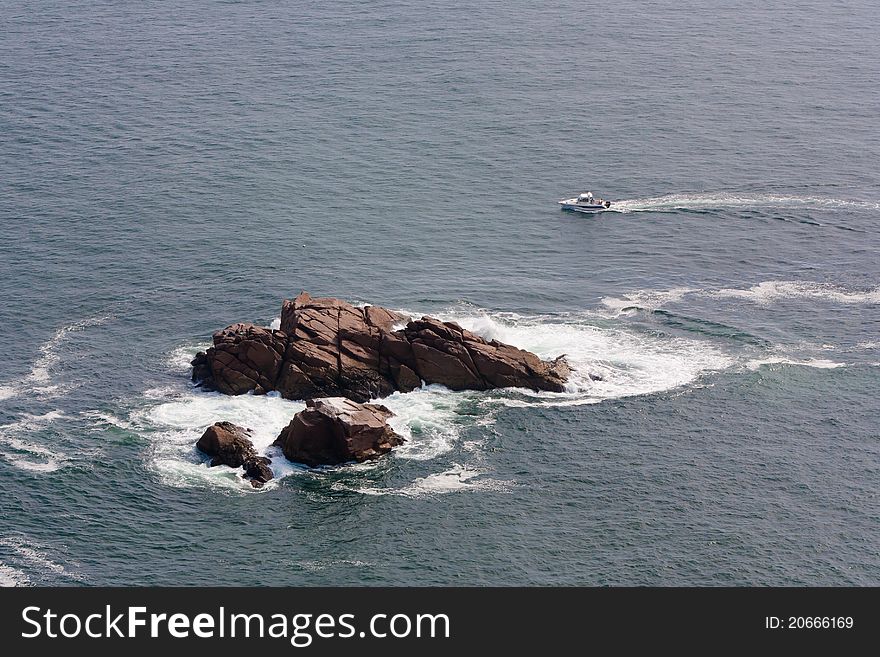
x: 585, y: 202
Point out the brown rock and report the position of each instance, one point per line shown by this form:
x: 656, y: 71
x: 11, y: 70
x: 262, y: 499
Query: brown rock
x: 448, y: 366
x: 201, y: 373
x: 383, y: 318
x: 244, y: 358
x: 258, y: 471
x: 330, y: 348
x: 405, y: 378
x: 230, y: 445
x: 481, y: 365
x: 337, y: 430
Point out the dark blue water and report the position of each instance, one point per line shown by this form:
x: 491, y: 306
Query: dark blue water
x: 167, y: 170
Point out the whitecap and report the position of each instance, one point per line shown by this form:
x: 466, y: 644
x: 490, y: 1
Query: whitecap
x: 429, y: 419
x: 763, y: 293
x: 179, y: 419
x: 50, y: 350
x: 323, y: 564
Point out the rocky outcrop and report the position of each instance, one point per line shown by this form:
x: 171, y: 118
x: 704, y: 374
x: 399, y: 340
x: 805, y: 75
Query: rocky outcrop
x: 443, y: 352
x: 244, y: 357
x: 257, y: 471
x: 334, y: 349
x: 228, y: 444
x: 327, y: 348
x: 337, y: 430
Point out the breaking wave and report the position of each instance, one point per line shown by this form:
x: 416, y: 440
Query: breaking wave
x: 607, y: 362
x: 175, y: 420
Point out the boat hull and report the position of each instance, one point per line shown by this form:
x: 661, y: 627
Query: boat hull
x: 574, y: 207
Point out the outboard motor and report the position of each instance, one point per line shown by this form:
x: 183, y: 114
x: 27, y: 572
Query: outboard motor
x: 607, y: 204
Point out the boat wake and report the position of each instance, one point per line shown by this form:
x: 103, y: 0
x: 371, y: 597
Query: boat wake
x: 720, y: 201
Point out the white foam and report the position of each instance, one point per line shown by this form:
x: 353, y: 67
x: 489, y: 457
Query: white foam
x: 819, y: 363
x: 763, y: 293
x: 721, y: 201
x: 49, y: 465
x: 428, y: 419
x: 50, y: 350
x: 647, y: 299
x: 323, y: 564
x: 869, y: 345
x: 180, y: 359
x: 99, y: 417
x: 770, y: 291
x: 629, y: 363
x: 176, y: 422
x: 26, y: 454
x: 39, y: 380
x: 455, y: 479
x: 35, y: 557
x: 10, y: 577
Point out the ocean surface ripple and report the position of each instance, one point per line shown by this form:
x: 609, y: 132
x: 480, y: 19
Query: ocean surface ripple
x: 166, y: 173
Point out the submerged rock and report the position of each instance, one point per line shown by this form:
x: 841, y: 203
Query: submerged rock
x: 337, y: 430
x: 258, y: 471
x: 327, y: 347
x: 229, y: 444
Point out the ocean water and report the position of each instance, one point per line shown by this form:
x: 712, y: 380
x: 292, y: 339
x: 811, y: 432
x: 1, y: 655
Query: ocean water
x: 169, y: 168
